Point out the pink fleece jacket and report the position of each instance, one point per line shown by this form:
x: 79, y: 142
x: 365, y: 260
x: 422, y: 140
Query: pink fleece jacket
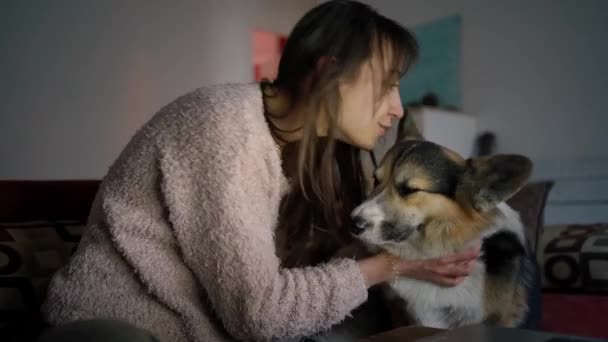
x: 180, y: 237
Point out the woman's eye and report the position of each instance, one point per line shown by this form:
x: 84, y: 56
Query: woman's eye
x: 405, y: 190
x: 391, y: 85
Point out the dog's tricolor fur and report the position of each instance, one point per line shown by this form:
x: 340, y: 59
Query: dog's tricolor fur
x: 431, y: 202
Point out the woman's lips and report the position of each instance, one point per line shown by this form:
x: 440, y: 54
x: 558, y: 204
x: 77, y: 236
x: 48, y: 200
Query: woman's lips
x: 383, y: 129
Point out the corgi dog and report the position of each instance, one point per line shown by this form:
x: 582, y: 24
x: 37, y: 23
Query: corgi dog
x: 430, y: 202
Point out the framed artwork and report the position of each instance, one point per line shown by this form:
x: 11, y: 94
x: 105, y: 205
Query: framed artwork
x: 267, y: 49
x: 438, y: 69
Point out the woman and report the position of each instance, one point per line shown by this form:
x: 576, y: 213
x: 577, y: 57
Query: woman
x: 181, y: 237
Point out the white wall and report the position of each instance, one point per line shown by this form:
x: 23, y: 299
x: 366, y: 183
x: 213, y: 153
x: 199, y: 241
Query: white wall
x: 77, y: 78
x: 535, y: 72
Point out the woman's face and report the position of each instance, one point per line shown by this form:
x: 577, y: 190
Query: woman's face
x: 367, y: 111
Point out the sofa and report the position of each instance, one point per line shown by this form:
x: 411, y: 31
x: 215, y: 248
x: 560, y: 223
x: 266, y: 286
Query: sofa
x: 41, y: 223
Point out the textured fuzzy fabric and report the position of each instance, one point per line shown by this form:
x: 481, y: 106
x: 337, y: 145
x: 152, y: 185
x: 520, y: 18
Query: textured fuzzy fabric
x: 180, y: 237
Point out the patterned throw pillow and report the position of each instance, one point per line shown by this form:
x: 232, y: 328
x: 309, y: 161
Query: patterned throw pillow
x: 30, y: 252
x: 574, y: 257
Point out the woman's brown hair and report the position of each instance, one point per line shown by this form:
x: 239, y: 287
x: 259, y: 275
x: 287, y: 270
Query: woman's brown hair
x: 326, y: 174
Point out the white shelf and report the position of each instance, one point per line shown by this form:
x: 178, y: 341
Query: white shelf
x: 454, y: 130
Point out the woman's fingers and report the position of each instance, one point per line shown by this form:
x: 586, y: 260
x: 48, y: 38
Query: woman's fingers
x: 466, y: 255
x: 448, y: 271
x: 471, y: 265
x: 455, y: 273
x: 452, y: 270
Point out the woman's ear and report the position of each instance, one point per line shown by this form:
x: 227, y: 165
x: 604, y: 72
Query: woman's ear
x: 407, y: 130
x: 488, y: 181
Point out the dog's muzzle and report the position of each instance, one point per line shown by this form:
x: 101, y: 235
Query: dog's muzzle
x: 359, y: 225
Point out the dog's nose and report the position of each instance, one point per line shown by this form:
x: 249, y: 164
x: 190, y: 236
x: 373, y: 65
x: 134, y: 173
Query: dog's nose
x: 359, y: 225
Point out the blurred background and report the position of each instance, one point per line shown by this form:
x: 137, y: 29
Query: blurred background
x: 78, y: 77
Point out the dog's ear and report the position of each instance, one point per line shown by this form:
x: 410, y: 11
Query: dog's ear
x: 407, y: 130
x: 487, y: 181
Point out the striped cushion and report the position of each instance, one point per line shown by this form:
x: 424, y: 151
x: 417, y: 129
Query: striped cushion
x: 574, y: 258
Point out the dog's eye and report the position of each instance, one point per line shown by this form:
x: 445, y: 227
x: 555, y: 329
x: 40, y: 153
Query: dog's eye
x: 405, y: 190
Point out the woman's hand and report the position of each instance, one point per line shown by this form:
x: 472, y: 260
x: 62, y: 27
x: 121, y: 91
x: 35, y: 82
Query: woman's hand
x: 447, y: 271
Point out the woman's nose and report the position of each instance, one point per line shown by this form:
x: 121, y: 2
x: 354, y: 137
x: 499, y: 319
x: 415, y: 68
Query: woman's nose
x: 395, y: 105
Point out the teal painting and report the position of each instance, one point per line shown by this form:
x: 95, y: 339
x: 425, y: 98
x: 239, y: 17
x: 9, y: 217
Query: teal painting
x: 438, y: 68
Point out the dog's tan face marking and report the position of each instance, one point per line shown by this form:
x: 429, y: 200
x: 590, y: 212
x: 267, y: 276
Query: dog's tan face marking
x: 425, y: 198
x: 413, y: 175
x: 445, y: 221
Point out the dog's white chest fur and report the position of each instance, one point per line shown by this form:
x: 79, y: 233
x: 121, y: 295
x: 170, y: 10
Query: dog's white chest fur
x: 444, y: 307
